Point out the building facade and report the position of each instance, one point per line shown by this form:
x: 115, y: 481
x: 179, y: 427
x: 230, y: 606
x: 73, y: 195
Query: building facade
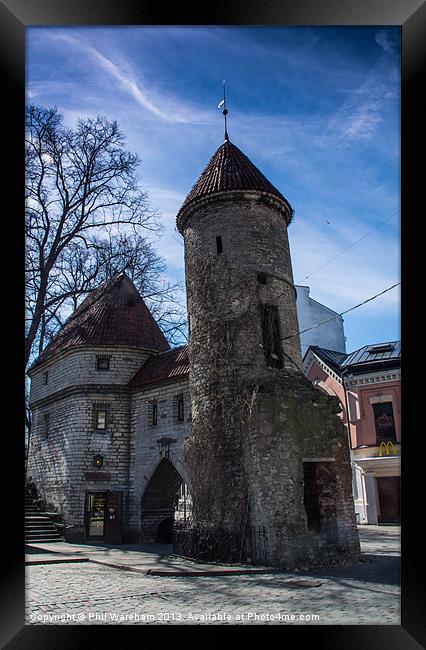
x: 129, y: 435
x: 94, y: 443
x: 330, y: 335
x: 367, y: 383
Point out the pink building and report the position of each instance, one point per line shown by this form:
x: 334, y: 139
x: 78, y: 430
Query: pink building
x: 367, y: 382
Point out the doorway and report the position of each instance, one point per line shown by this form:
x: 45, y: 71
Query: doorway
x: 165, y: 531
x: 320, y: 499
x: 388, y: 489
x: 104, y: 516
x: 158, y: 504
x: 95, y: 515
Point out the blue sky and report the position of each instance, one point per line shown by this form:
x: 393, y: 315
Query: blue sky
x: 317, y: 109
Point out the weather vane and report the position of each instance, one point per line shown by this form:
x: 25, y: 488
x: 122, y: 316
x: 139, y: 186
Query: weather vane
x: 224, y: 111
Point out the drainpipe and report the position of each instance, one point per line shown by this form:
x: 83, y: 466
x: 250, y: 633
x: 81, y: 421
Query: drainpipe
x: 353, y: 465
x: 344, y: 374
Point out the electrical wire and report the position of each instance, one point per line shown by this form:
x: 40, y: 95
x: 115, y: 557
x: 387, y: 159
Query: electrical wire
x: 348, y: 247
x: 341, y: 314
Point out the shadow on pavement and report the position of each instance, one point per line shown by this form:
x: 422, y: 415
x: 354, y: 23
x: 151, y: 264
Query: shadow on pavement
x: 373, y: 568
x: 34, y: 550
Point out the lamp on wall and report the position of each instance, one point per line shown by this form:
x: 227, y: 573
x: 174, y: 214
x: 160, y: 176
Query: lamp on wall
x: 98, y: 460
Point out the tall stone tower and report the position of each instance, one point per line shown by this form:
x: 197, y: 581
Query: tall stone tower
x: 268, y: 456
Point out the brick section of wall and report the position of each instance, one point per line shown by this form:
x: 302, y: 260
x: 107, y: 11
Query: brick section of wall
x: 146, y: 450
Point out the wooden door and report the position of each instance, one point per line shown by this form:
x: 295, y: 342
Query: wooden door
x: 389, y: 499
x: 114, y: 518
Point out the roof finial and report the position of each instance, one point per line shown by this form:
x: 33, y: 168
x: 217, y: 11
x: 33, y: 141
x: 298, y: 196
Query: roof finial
x: 225, y: 111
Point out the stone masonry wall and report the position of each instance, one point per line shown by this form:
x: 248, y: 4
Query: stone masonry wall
x: 78, y: 366
x: 255, y: 241
x: 253, y: 424
x: 296, y: 424
x: 60, y: 461
x: 146, y: 451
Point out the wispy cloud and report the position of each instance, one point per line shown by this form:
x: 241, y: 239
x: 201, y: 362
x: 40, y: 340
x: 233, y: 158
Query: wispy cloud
x: 363, y: 110
x: 316, y: 110
x: 387, y: 41
x: 162, y: 106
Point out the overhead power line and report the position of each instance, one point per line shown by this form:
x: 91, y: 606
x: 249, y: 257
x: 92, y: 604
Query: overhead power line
x: 342, y: 313
x: 350, y: 246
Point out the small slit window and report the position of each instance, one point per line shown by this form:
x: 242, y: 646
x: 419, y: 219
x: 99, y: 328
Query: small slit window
x: 46, y: 424
x: 46, y: 378
x: 154, y: 413
x: 219, y: 245
x: 180, y: 409
x: 271, y: 341
x: 103, y: 363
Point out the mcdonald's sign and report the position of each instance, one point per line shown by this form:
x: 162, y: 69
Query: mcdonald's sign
x: 387, y: 446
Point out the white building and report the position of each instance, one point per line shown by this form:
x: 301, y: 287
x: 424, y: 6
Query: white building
x: 310, y: 312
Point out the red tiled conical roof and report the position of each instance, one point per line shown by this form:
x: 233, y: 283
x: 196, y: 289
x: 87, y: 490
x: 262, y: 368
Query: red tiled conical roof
x: 113, y: 314
x: 230, y: 170
x: 166, y: 366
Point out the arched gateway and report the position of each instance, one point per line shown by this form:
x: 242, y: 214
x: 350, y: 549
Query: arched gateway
x: 160, y: 502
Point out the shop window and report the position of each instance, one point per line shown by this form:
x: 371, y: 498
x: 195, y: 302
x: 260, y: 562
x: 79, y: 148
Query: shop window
x: 384, y: 422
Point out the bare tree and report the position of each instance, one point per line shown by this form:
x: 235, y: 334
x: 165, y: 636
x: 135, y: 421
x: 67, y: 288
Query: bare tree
x: 86, y: 219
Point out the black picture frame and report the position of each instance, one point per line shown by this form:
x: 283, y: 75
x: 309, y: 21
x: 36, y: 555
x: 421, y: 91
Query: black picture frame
x: 15, y: 16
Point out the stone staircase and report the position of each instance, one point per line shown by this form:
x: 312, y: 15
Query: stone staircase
x: 39, y: 526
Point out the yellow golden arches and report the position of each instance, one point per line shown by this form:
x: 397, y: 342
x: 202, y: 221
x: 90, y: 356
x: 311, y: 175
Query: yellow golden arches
x: 387, y: 446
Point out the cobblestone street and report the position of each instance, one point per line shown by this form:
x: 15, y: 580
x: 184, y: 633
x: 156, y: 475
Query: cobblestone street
x: 87, y: 593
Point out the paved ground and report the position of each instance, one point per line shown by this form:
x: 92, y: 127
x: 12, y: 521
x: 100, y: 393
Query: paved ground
x: 90, y: 593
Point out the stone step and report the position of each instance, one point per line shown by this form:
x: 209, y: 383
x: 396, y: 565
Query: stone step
x: 39, y: 526
x: 45, y: 541
x: 42, y: 535
x: 36, y: 517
